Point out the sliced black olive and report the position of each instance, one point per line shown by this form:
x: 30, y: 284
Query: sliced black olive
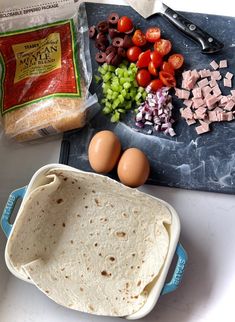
x: 116, y: 60
x: 113, y: 18
x: 121, y: 52
x: 92, y: 32
x: 110, y: 49
x: 100, y: 45
x: 100, y: 58
x: 117, y: 42
x: 110, y: 57
x: 127, y: 42
x: 103, y: 26
x: 113, y: 33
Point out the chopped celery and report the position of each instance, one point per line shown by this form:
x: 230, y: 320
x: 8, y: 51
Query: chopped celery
x: 120, y: 89
x: 97, y: 79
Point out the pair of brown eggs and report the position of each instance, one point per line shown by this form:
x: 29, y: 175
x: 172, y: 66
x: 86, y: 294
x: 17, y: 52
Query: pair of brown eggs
x: 104, y: 153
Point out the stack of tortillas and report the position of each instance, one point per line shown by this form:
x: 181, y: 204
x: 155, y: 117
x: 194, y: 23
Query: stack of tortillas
x: 89, y: 243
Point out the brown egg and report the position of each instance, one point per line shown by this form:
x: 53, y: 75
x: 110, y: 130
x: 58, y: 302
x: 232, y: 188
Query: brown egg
x: 104, y: 151
x: 133, y: 168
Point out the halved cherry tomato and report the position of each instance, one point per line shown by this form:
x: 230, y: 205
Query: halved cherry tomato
x: 156, y: 59
x: 156, y: 84
x: 144, y: 59
x: 125, y: 24
x: 167, y: 79
x: 133, y: 53
x: 167, y: 67
x: 139, y: 38
x: 143, y: 77
x: 163, y: 46
x: 152, y: 69
x: 153, y: 34
x: 176, y: 60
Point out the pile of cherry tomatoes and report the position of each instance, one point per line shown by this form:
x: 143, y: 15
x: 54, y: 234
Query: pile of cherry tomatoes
x: 155, y: 69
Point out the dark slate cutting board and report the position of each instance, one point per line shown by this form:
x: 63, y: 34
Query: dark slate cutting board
x: 205, y: 162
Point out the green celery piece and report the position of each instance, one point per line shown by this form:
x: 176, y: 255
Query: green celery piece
x: 114, y: 95
x: 115, y: 87
x: 144, y: 95
x: 138, y: 96
x: 107, y: 77
x: 97, y: 79
x: 120, y: 110
x: 135, y: 83
x: 108, y: 105
x: 128, y: 105
x: 109, y: 91
x: 115, y: 118
x: 111, y: 68
x: 122, y: 80
x: 116, y: 102
x: 126, y: 85
x: 106, y: 110
x: 101, y: 70
x: 141, y: 89
x: 121, y: 98
x: 123, y: 92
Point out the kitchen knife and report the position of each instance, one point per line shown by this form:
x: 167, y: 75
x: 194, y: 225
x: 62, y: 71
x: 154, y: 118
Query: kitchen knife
x: 147, y: 8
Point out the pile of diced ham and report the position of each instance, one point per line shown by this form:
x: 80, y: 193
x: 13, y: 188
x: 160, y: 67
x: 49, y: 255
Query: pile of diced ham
x: 203, y: 99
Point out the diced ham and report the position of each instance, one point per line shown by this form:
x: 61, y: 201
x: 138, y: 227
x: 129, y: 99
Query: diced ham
x: 197, y: 92
x: 197, y: 102
x: 230, y: 105
x: 204, y: 73
x: 216, y: 90
x: 223, y: 64
x: 206, y: 90
x: 227, y: 82
x: 188, y: 103
x: 212, y: 83
x: 187, y: 113
x: 200, y: 129
x: 181, y: 93
x: 214, y: 65
x: 223, y: 100
x: 203, y: 82
x: 207, y: 104
x: 212, y: 116
x: 210, y: 101
x: 215, y: 75
x: 190, y: 122
x: 189, y: 83
x: 186, y: 74
x: 200, y: 112
x: 228, y: 75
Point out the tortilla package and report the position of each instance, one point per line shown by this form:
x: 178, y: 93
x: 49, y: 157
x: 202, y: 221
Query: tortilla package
x: 90, y: 243
x: 45, y: 70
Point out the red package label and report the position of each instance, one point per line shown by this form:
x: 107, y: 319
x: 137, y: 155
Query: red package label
x: 38, y: 63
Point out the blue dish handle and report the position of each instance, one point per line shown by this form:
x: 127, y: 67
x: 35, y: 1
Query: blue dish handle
x: 10, y: 205
x: 179, y: 271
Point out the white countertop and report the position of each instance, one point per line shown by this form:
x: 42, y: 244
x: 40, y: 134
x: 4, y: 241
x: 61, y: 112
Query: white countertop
x: 208, y: 220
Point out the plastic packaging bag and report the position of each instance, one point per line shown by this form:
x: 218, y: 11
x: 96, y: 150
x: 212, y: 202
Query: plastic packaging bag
x: 45, y: 70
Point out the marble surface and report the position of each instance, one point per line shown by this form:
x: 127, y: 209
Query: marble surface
x: 207, y: 219
x: 205, y: 162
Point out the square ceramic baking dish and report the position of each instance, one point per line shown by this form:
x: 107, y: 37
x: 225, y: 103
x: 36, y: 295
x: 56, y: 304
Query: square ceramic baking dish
x: 156, y: 288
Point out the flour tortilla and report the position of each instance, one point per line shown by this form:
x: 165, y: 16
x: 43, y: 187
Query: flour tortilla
x: 89, y: 243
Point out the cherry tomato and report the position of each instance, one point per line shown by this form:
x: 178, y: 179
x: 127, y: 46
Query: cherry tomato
x: 167, y: 79
x: 139, y: 38
x: 125, y: 24
x: 152, y: 69
x: 163, y: 46
x: 156, y: 84
x: 153, y: 34
x: 156, y: 59
x: 133, y: 53
x: 143, y: 77
x: 176, y: 60
x: 167, y: 67
x: 144, y: 59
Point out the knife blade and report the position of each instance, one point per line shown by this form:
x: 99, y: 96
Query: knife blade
x: 147, y: 8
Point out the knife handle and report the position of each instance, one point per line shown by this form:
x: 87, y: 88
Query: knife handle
x: 209, y: 44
